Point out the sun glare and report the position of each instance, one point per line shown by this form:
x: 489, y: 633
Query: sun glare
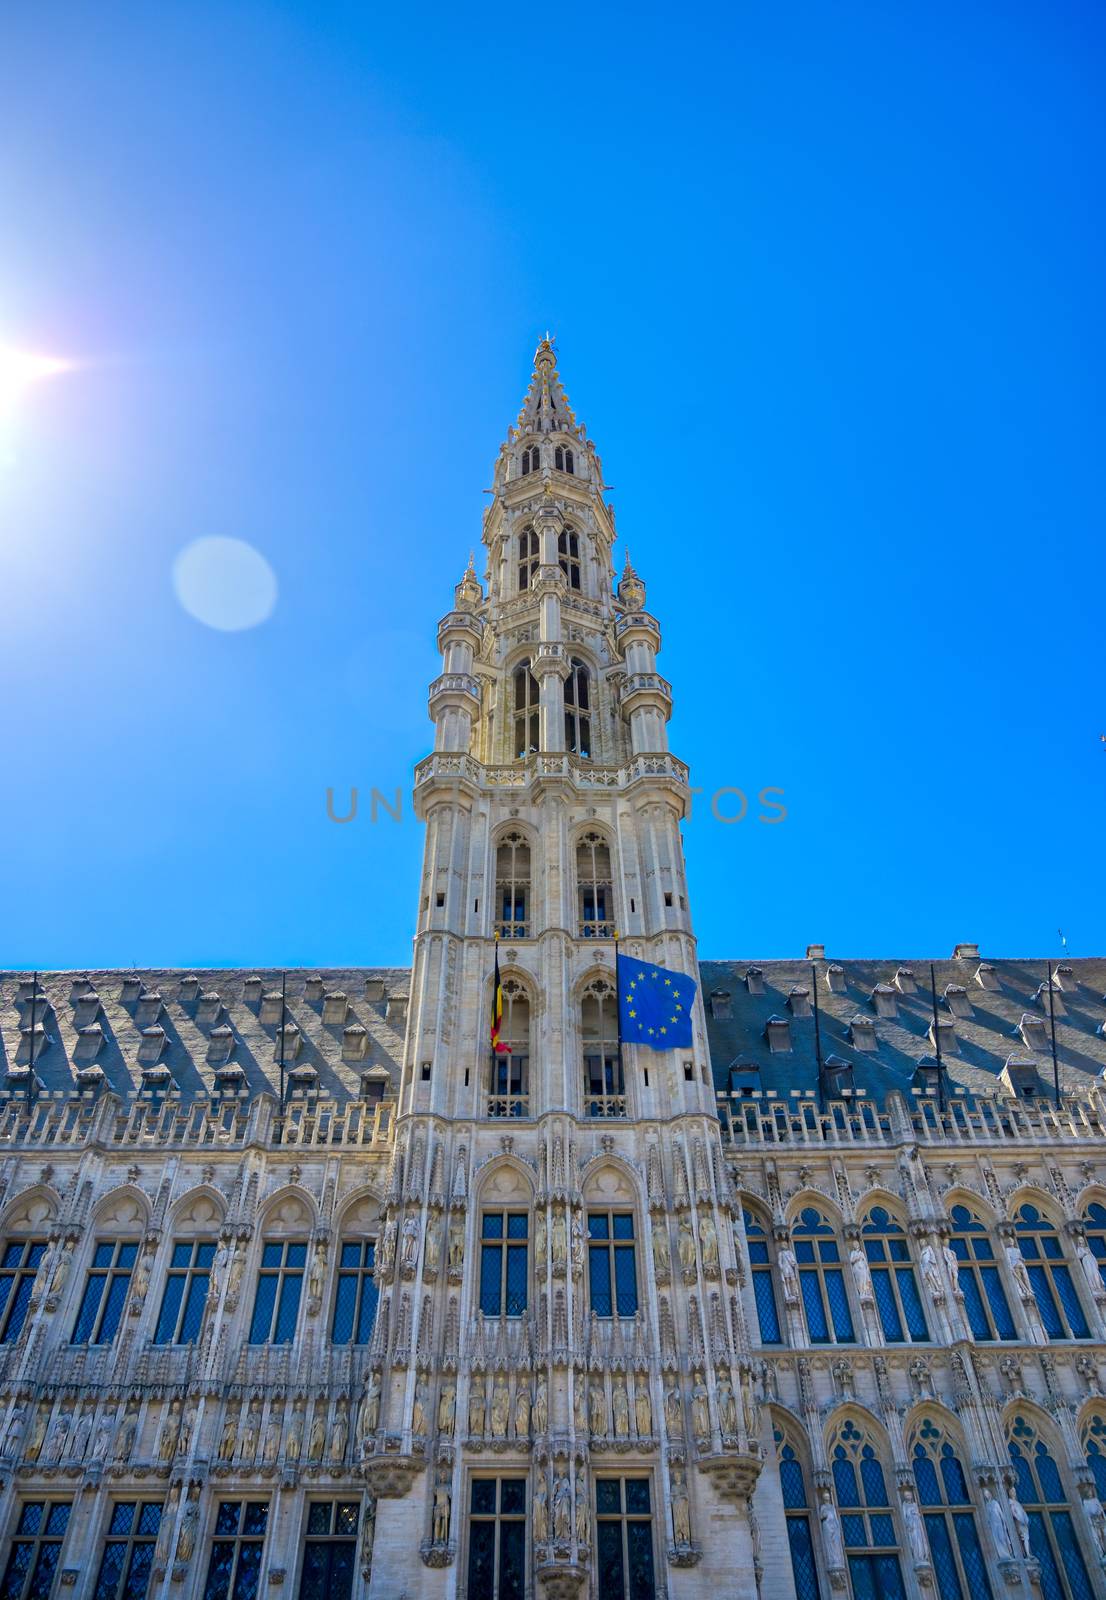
x: 21, y: 368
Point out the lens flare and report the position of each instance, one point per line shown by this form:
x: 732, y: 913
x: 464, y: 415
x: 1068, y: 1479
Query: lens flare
x: 21, y: 368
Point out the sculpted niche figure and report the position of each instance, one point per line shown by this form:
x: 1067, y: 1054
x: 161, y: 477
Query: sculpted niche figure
x: 128, y: 1428
x: 501, y: 1407
x: 476, y: 1409
x: 229, y: 1436
x: 597, y: 1411
x: 271, y: 1448
x: 643, y: 1411
x: 583, y: 1511
x: 541, y: 1406
x: 522, y: 1409
x: 661, y: 1261
x: 673, y: 1411
x: 727, y: 1405
x: 420, y: 1421
x: 447, y: 1409
x: 789, y: 1272
x: 456, y: 1244
x: 250, y: 1431
x: 170, y: 1432
x: 621, y: 1406
x: 708, y: 1243
x: 186, y: 1538
x: 562, y: 1508
x: 409, y: 1250
x: 339, y: 1435
x: 832, y: 1542
x: 1000, y: 1532
x: 560, y: 1238
x: 368, y: 1415
x: 316, y: 1439
x: 700, y: 1409
x: 681, y: 1508
x: 539, y: 1511
x: 441, y: 1512
x: 685, y: 1244
x: 293, y: 1445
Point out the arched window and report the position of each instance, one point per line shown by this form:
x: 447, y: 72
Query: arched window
x: 1093, y: 1434
x: 594, y: 889
x: 526, y: 711
x: 764, y: 1292
x: 531, y: 460
x: 1094, y: 1221
x: 1055, y: 1293
x: 893, y: 1280
x: 949, y: 1516
x: 529, y: 554
x: 604, y: 1088
x: 1052, y: 1536
x: 568, y: 554
x: 512, y: 886
x: 509, y: 1095
x: 978, y: 1276
x: 578, y: 710
x: 867, y: 1525
x: 797, y: 1510
x: 821, y: 1280
x: 559, y: 459
x: 570, y: 464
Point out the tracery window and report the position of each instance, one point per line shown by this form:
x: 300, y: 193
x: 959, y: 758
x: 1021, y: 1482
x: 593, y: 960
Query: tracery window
x: 1094, y: 1220
x: 1052, y: 1536
x: 512, y: 886
x: 893, y: 1280
x: 804, y: 1567
x: 604, y: 1085
x: 531, y: 460
x: 764, y: 1292
x: 821, y: 1280
x: 511, y: 1066
x: 330, y: 1550
x: 1055, y: 1293
x: 527, y: 726
x: 978, y: 1275
x: 355, y: 1295
x: 1093, y: 1434
x: 528, y: 557
x: 949, y: 1516
x: 563, y: 460
x: 279, y: 1285
x: 568, y: 554
x: 18, y: 1267
x: 578, y: 709
x: 867, y: 1525
x: 594, y: 887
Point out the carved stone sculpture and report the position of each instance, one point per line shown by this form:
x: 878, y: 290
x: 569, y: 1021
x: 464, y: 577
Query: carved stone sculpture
x: 1021, y: 1522
x: 727, y: 1405
x: 293, y: 1445
x: 700, y: 1409
x: 1096, y: 1521
x: 229, y: 1436
x: 541, y: 1406
x: 316, y: 1439
x: 597, y: 1411
x: 128, y: 1428
x: 1000, y: 1531
x: 673, y: 1411
x: 1018, y: 1270
x: 447, y: 1409
x: 273, y: 1431
x: 862, y: 1274
x: 409, y: 1249
x: 420, y: 1419
x: 441, y: 1513
x: 832, y: 1542
x: 915, y: 1531
x: 339, y: 1433
x: 789, y: 1272
x: 368, y: 1415
x: 562, y: 1508
x: 560, y: 1238
x: 522, y: 1409
x: 250, y: 1431
x: 501, y: 1407
x: 477, y: 1404
x: 643, y: 1411
x: 186, y: 1538
x: 931, y: 1272
x: 708, y: 1243
x: 583, y: 1511
x: 621, y: 1408
x: 456, y: 1245
x: 685, y: 1245
x: 681, y: 1508
x: 661, y: 1262
x: 540, y: 1510
x: 170, y: 1433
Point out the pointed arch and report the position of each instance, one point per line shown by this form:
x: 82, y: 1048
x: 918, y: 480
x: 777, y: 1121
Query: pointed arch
x: 1091, y: 1424
x: 604, y: 1084
x: 26, y: 1224
x: 1036, y: 1458
x: 201, y: 1209
x: 860, y: 1466
x: 978, y: 1276
x: 289, y: 1209
x: 357, y: 1226
x: 508, y: 1082
x: 816, y: 1242
x: 503, y: 1190
x: 937, y: 1451
x: 794, y: 1468
x: 489, y: 1185
x: 760, y: 1249
x: 514, y: 866
x: 124, y: 1207
x: 593, y: 854
x: 886, y: 1246
x: 1040, y: 1241
x: 33, y: 1210
x: 361, y: 1210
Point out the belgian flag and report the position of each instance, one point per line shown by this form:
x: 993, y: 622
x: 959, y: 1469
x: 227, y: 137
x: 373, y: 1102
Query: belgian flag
x: 499, y: 1048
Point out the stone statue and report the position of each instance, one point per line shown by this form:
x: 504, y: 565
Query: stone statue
x: 541, y: 1406
x: 409, y: 1249
x: 562, y: 1508
x: 59, y: 1435
x: 165, y: 1530
x: 789, y: 1272
x: 560, y: 1255
x: 433, y: 1253
x: 275, y: 1427
x: 316, y: 1439
x: 476, y: 1408
x: 420, y: 1416
x: 386, y: 1255
x: 700, y: 1409
x: 317, y: 1276
x: 862, y: 1274
x: 952, y: 1266
x: 102, y: 1439
x: 661, y: 1264
x: 501, y: 1407
x: 140, y: 1283
x: 170, y: 1433
x: 727, y: 1405
x: 78, y: 1445
x: 186, y: 1538
x: 673, y: 1411
x: 128, y: 1428
x: 237, y: 1268
x: 832, y: 1542
x: 597, y: 1411
x: 1096, y: 1521
x: 250, y: 1430
x: 583, y: 1510
x: 447, y: 1409
x: 1021, y: 1521
x: 931, y: 1272
x: 368, y: 1417
x: 621, y: 1408
x: 441, y: 1513
x: 539, y: 1510
x: 1090, y: 1268
x: 218, y: 1271
x: 915, y: 1531
x: 643, y: 1411
x: 539, y: 1239
x: 293, y: 1445
x: 38, y: 1433
x: 61, y: 1270
x: 708, y: 1243
x: 577, y: 1242
x: 750, y: 1411
x: 1000, y: 1532
x: 229, y: 1436
x: 1018, y: 1270
x: 188, y: 1429
x: 14, y: 1434
x: 579, y: 1404
x: 339, y: 1433
x: 681, y: 1508
x: 522, y: 1408
x: 685, y: 1245
x: 456, y: 1244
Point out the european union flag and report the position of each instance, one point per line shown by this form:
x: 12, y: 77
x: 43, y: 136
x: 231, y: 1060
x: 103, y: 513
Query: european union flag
x: 654, y: 1004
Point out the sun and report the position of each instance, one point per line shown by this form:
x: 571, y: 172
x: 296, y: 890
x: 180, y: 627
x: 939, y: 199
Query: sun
x: 21, y: 368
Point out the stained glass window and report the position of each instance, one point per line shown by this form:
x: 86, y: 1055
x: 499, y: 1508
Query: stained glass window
x: 497, y: 1539
x: 18, y: 1266
x: 867, y: 1524
x: 893, y: 1281
x: 1052, y: 1537
x: 36, y: 1550
x: 1050, y: 1276
x: 279, y: 1285
x: 105, y: 1292
x: 612, y: 1273
x: 330, y: 1550
x: 979, y: 1280
x: 624, y: 1539
x: 1094, y: 1443
x: 948, y: 1516
x: 764, y: 1293
x: 804, y: 1568
x: 821, y: 1280
x: 185, y: 1296
x: 236, y: 1548
x: 504, y: 1270
x: 355, y: 1294
x: 128, y: 1556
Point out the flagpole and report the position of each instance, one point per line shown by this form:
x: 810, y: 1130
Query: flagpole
x: 618, y: 1015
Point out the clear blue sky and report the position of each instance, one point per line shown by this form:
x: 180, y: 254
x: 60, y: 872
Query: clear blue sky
x: 827, y: 288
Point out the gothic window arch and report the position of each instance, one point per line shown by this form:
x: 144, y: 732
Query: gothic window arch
x: 510, y: 1069
x: 894, y: 1281
x: 563, y: 460
x: 578, y: 709
x: 604, y: 1086
x: 568, y: 554
x: 867, y: 1523
x: 978, y: 1275
x: 1049, y: 1274
x: 512, y: 886
x: 594, y: 887
x: 821, y: 1279
x: 796, y: 1503
x: 1093, y: 1437
x: 1052, y: 1535
x: 529, y: 555
x: 764, y: 1292
x: 948, y: 1514
x: 1094, y: 1223
x: 526, y: 718
x: 531, y: 460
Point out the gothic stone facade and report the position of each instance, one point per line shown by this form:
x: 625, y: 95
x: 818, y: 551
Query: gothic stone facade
x: 797, y: 1310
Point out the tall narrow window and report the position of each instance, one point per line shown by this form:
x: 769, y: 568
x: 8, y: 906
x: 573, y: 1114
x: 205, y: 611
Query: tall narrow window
x: 105, y: 1292
x: 531, y: 460
x: 570, y: 462
x: 804, y: 1568
x: 624, y: 1539
x: 604, y: 1085
x: 279, y: 1285
x: 512, y: 886
x: 526, y: 711
x: 239, y: 1538
x: 594, y: 888
x: 1094, y: 1445
x: 568, y: 554
x: 612, y: 1273
x: 893, y: 1281
x: 355, y: 1295
x: 821, y: 1280
x: 186, y: 1285
x: 764, y: 1293
x: 497, y: 1539
x: 978, y: 1276
x: 1052, y: 1536
x: 128, y: 1556
x: 1094, y: 1221
x: 949, y: 1517
x: 1055, y: 1293
x: 503, y: 1263
x: 509, y: 1096
x: 528, y: 556
x: 36, y: 1549
x: 18, y: 1266
x: 578, y: 710
x: 867, y: 1525
x: 330, y: 1550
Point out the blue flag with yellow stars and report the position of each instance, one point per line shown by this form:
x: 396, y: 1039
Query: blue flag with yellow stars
x: 654, y: 1005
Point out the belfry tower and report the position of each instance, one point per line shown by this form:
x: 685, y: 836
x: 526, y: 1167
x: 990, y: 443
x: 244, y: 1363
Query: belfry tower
x: 558, y: 1253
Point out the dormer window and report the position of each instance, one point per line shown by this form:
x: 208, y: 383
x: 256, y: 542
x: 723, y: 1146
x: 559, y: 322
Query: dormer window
x: 943, y: 1033
x: 151, y: 1044
x: 526, y: 711
x: 88, y: 1009
x: 1033, y: 1031
x: 956, y: 998
x: 272, y: 1005
x: 313, y: 988
x: 531, y: 460
x: 777, y: 1030
x: 578, y: 710
x: 862, y: 1034
x: 885, y: 1001
x: 149, y: 1009
x: 355, y: 1042
x: 291, y: 1038
x: 562, y: 460
x: 1045, y: 1001
x: 904, y: 981
x: 529, y: 552
x: 335, y: 1007
x: 89, y: 1042
x: 220, y: 1044
x: 798, y: 1002
x: 568, y: 553
x: 985, y: 976
x: 1065, y: 977
x: 721, y: 1004
x: 754, y: 980
x: 835, y: 978
x: 209, y: 1007
x: 251, y: 990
